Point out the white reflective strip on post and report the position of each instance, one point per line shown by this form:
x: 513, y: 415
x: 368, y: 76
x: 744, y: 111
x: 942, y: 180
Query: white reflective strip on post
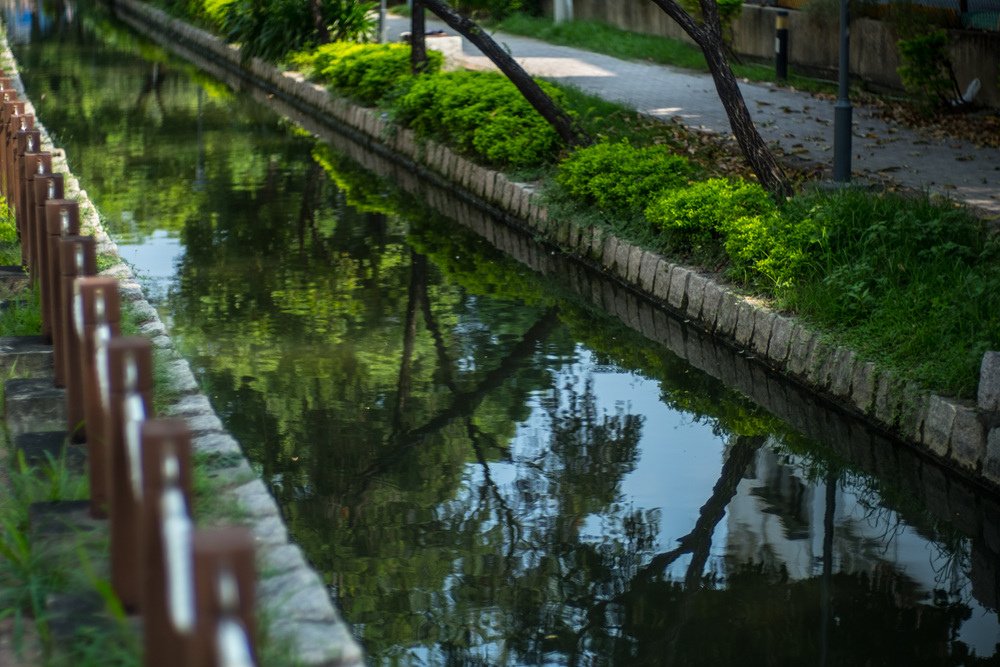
x: 78, y: 302
x: 177, y: 530
x: 232, y: 645
x: 101, y: 339
x: 135, y: 414
x: 231, y: 642
x: 64, y: 230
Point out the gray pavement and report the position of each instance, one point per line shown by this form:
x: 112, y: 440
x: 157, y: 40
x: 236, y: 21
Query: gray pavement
x: 801, y: 124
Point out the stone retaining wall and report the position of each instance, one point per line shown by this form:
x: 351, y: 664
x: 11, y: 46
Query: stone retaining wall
x: 291, y: 597
x: 958, y: 433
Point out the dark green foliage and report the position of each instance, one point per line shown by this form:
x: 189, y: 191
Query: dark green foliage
x: 909, y: 281
x: 702, y: 213
x: 926, y: 69
x: 481, y: 113
x: 271, y: 29
x: 368, y: 72
x: 619, y: 177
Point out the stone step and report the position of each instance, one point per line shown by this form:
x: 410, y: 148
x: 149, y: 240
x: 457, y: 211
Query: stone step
x: 25, y: 357
x: 33, y: 404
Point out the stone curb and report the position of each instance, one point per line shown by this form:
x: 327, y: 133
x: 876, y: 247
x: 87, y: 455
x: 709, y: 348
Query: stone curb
x: 315, y: 633
x: 783, y: 343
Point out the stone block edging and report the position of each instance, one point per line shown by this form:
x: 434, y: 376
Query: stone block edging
x: 315, y: 633
x: 959, y: 434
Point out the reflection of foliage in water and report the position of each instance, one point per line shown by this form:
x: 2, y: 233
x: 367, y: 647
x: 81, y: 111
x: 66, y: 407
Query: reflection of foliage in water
x: 381, y: 365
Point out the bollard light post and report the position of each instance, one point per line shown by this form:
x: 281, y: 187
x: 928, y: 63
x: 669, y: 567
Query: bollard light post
x: 165, y: 529
x: 96, y: 315
x: 224, y: 577
x: 62, y: 220
x: 77, y: 259
x: 130, y: 402
x: 842, y: 111
x: 45, y: 188
x: 781, y: 44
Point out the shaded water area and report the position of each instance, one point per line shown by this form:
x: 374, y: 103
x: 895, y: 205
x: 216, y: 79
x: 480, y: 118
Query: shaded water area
x: 485, y: 467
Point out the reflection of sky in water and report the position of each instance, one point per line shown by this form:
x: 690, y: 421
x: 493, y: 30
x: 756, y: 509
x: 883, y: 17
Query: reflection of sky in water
x: 679, y: 463
x: 154, y: 260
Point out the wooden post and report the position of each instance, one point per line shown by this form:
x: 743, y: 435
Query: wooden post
x: 45, y: 188
x: 96, y: 315
x: 168, y: 584
x: 26, y: 141
x: 21, y: 123
x: 224, y: 577
x: 77, y: 259
x: 32, y: 165
x: 11, y: 112
x: 62, y: 219
x: 130, y: 402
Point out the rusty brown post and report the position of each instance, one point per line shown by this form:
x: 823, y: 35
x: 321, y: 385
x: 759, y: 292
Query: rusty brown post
x: 96, y: 315
x: 46, y: 188
x: 165, y: 542
x: 19, y: 122
x: 11, y: 112
x: 130, y: 402
x: 224, y: 579
x: 62, y: 219
x: 77, y: 259
x: 33, y: 166
x: 26, y: 142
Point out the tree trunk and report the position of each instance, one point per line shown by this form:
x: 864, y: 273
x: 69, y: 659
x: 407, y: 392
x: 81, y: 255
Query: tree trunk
x: 322, y: 31
x: 556, y: 117
x: 418, y: 39
x: 708, y: 37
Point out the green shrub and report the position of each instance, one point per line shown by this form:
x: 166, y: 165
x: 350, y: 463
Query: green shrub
x: 368, y: 72
x: 703, y: 213
x: 621, y: 178
x: 271, y: 29
x: 926, y: 70
x: 481, y: 113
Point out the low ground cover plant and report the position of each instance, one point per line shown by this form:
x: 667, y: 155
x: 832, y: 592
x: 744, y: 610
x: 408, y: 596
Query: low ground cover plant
x: 367, y: 72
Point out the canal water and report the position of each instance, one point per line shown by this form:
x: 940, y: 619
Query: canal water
x: 486, y: 469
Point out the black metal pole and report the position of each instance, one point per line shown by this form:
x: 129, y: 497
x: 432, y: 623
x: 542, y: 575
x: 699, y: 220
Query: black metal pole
x: 842, y: 111
x: 781, y: 45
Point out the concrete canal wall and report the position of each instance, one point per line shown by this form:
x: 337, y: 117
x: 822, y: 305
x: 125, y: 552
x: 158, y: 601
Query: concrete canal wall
x: 291, y: 596
x: 960, y: 434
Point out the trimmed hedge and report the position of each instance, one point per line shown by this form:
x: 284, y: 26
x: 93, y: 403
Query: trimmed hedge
x: 620, y: 177
x: 367, y: 72
x: 481, y: 113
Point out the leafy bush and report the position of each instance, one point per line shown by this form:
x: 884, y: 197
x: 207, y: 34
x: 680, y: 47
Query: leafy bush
x: 480, y: 113
x: 926, y: 69
x: 704, y: 212
x: 619, y: 177
x: 366, y: 71
x: 271, y: 29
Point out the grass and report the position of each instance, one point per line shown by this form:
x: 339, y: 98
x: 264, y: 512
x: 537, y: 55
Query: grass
x: 602, y: 38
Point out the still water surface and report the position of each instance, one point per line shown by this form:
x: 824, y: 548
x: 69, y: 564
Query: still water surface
x: 485, y: 470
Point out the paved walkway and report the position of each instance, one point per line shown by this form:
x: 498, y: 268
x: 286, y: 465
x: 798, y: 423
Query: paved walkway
x: 799, y: 123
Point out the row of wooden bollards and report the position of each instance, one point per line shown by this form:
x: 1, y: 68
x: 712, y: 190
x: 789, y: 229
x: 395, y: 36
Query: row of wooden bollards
x: 194, y: 587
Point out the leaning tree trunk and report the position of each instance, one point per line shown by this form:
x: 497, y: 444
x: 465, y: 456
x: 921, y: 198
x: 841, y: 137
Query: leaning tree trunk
x: 533, y: 93
x: 708, y: 37
x: 322, y: 32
